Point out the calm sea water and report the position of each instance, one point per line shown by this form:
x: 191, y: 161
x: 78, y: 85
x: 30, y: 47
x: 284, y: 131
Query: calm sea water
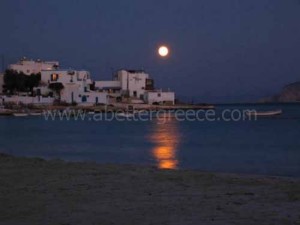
x: 267, y: 146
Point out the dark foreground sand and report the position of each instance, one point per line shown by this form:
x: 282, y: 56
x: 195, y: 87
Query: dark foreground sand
x: 34, y: 191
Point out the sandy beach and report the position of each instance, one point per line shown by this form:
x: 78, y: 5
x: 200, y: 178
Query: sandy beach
x: 36, y: 191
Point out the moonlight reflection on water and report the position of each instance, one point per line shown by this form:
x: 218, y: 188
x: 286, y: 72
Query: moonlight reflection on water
x: 166, y: 138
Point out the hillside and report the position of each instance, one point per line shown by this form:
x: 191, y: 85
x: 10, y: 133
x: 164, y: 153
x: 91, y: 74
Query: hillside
x: 290, y: 93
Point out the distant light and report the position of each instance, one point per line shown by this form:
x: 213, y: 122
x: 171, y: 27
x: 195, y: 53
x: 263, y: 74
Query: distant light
x: 163, y: 51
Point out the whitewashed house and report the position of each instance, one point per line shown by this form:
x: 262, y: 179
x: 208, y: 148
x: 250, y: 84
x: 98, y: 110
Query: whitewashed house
x: 133, y: 82
x: 33, y: 66
x: 76, y: 86
x: 82, y: 78
x: 137, y: 85
x: 160, y: 97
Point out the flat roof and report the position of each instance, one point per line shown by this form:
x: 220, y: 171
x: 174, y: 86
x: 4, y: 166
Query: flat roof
x: 67, y: 70
x: 133, y: 70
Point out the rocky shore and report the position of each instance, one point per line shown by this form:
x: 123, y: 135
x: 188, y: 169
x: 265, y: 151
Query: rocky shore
x: 36, y: 191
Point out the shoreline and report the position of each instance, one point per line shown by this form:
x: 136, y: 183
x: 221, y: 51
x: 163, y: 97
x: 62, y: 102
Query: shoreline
x: 109, y: 108
x: 38, y: 191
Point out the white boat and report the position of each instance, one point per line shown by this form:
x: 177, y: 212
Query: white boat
x: 264, y: 113
x: 20, y: 114
x: 35, y: 114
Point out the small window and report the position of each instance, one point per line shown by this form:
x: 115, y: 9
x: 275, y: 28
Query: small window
x: 54, y: 77
x: 158, y: 95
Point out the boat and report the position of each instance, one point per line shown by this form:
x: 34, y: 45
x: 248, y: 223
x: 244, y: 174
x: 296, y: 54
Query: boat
x: 264, y: 113
x: 20, y: 114
x: 35, y: 113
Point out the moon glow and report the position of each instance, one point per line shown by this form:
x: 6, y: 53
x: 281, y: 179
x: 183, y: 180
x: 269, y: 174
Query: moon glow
x: 163, y: 51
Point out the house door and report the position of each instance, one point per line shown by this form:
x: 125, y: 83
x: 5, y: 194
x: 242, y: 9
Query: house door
x: 83, y: 98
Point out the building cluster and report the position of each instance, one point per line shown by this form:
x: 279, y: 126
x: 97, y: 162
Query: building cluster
x: 77, y: 87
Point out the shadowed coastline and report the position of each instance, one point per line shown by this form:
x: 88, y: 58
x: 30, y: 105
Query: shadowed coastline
x: 36, y: 191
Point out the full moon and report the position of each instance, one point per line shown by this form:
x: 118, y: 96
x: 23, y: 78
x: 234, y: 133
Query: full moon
x: 163, y: 51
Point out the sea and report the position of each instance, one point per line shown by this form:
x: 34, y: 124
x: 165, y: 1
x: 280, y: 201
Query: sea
x: 263, y: 146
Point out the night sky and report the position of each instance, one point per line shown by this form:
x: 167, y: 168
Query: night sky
x: 221, y: 50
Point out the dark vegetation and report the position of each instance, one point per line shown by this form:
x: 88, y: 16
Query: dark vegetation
x: 19, y: 82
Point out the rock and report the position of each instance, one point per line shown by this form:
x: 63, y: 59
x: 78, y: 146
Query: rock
x: 290, y: 93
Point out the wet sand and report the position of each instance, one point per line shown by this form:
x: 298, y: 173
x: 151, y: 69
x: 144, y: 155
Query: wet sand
x: 36, y: 191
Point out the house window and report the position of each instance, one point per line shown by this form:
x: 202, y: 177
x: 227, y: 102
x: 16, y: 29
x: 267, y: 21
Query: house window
x: 54, y: 77
x: 83, y: 98
x: 158, y: 95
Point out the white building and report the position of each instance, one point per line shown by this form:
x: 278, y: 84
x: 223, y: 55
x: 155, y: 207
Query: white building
x: 130, y: 83
x: 136, y: 84
x: 33, y: 66
x: 133, y: 82
x: 76, y: 86
x: 82, y: 78
x: 72, y: 93
x: 160, y: 97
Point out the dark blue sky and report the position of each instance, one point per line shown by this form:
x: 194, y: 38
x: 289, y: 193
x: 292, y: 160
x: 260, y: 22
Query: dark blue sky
x: 221, y: 50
